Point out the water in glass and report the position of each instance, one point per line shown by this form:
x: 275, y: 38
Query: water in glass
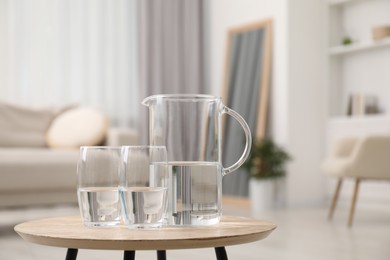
x: 100, y: 206
x: 195, y: 193
x: 144, y: 206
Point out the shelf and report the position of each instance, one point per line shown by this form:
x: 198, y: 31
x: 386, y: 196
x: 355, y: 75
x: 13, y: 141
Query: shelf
x: 357, y: 47
x: 356, y: 67
x: 362, y: 118
x: 342, y: 2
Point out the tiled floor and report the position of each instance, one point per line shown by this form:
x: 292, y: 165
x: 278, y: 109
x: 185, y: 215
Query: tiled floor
x: 301, y: 234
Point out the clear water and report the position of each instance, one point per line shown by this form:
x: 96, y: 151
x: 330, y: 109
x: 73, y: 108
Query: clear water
x: 99, y: 206
x: 195, y: 193
x: 144, y: 207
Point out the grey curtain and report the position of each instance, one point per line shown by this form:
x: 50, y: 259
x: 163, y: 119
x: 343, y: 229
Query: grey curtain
x: 243, y: 92
x: 171, y: 50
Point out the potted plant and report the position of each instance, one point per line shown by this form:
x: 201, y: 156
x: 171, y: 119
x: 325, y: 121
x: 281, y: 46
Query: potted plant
x: 266, y: 166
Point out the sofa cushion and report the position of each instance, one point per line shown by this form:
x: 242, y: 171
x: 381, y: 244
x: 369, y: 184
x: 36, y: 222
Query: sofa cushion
x: 37, y: 169
x: 22, y: 126
x: 77, y: 127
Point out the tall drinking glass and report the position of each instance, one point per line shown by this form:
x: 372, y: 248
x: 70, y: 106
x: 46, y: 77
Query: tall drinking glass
x: 98, y: 179
x: 143, y: 186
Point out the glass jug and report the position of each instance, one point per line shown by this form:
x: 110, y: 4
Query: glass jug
x: 190, y: 128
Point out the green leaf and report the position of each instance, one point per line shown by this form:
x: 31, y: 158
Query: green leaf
x: 266, y: 160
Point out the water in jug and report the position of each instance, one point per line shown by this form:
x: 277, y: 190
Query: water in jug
x: 190, y: 128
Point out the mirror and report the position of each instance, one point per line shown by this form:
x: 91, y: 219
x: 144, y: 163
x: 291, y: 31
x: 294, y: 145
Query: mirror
x: 245, y: 89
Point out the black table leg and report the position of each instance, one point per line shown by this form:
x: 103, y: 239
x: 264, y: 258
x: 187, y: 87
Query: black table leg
x: 129, y: 255
x: 221, y: 253
x: 71, y: 254
x: 161, y: 255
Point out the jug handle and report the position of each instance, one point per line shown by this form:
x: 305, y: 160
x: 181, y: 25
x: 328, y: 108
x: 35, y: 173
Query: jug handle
x: 248, y: 140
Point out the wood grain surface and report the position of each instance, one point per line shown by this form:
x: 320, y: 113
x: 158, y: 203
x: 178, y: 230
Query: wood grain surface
x: 69, y: 232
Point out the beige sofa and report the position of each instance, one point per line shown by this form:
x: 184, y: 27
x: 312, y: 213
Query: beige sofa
x: 36, y: 170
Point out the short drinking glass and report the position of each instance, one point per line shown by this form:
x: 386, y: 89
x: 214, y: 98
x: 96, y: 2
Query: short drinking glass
x: 98, y: 180
x: 143, y: 186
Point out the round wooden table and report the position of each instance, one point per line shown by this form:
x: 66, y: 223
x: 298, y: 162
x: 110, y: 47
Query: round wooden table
x: 69, y: 232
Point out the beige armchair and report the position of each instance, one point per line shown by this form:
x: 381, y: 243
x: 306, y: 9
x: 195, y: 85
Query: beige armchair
x: 361, y: 158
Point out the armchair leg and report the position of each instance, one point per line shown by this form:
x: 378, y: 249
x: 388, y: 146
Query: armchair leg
x: 353, y: 205
x: 335, y: 198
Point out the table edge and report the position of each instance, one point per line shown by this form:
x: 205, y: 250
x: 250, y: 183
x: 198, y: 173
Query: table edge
x: 106, y: 244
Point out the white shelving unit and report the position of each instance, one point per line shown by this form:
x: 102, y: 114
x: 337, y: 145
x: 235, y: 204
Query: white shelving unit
x: 361, y: 67
x: 357, y: 47
x: 358, y: 67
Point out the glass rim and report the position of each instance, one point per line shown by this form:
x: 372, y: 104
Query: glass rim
x: 101, y: 146
x: 183, y: 97
x: 120, y: 146
x: 143, y: 146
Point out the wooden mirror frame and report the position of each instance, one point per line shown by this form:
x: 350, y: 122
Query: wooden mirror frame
x: 264, y: 73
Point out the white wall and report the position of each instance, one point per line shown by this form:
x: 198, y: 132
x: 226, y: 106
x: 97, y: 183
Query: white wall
x: 298, y: 101
x: 307, y: 100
